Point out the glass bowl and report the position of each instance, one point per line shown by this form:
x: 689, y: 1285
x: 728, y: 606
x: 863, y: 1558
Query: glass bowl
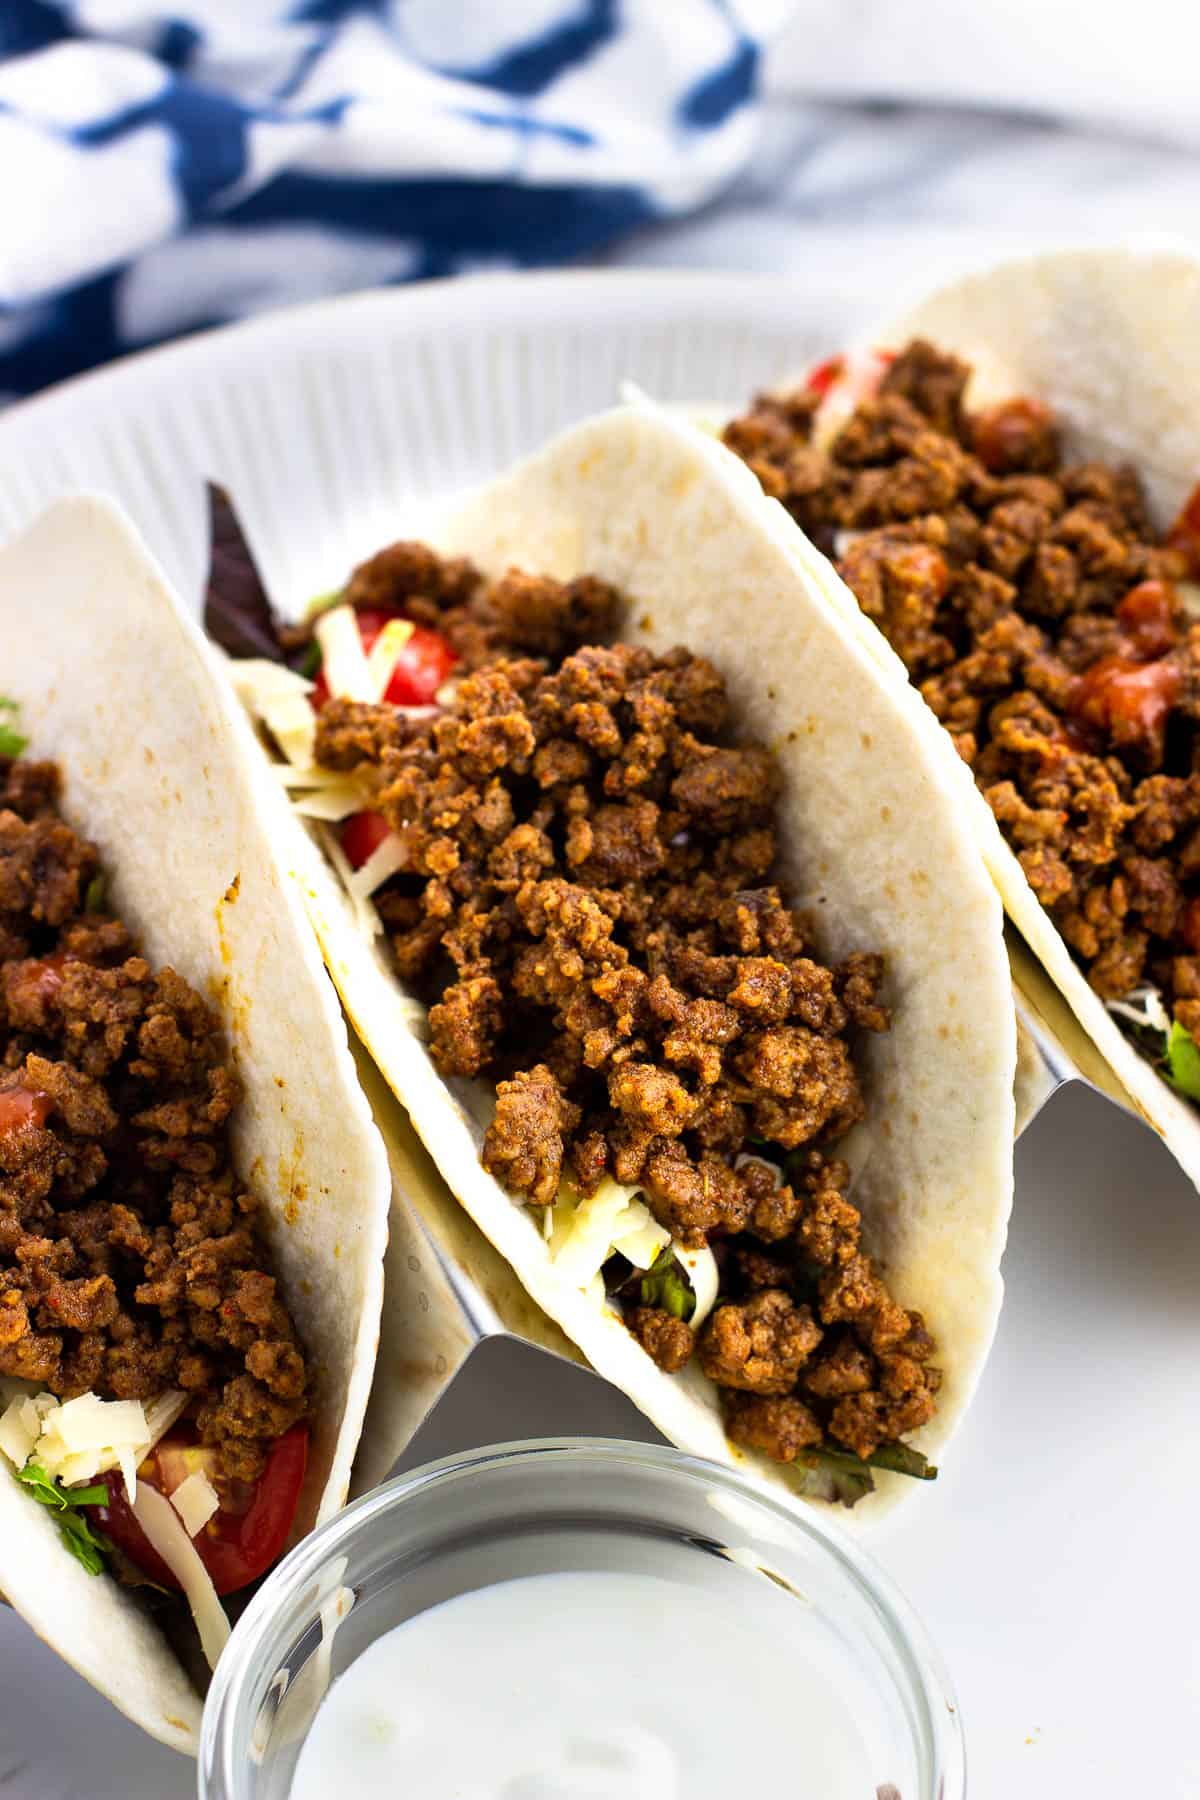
x: 565, y: 1504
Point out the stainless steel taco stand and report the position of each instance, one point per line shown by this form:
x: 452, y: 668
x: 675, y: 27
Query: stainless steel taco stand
x: 1052, y: 1048
x: 447, y: 1290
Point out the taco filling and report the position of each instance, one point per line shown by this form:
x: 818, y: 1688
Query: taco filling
x: 1050, y: 629
x: 153, y: 1389
x: 573, y: 860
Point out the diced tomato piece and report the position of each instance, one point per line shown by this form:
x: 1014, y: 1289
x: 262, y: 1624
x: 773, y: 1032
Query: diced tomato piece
x: 825, y: 375
x: 1185, y: 532
x: 21, y: 1106
x: 371, y: 621
x: 242, y: 1540
x: 1128, y: 703
x: 361, y: 836
x: 421, y: 667
x: 862, y: 374
x: 1146, y: 618
x: 1016, y: 434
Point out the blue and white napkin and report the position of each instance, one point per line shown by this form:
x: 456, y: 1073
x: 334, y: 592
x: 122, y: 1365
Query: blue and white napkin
x: 165, y: 171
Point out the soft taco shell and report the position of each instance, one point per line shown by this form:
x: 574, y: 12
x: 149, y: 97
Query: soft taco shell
x: 158, y: 770
x: 878, y: 847
x: 1108, y: 339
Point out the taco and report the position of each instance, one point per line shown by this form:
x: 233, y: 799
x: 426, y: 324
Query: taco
x: 682, y: 959
x: 193, y: 1198
x: 1006, y: 481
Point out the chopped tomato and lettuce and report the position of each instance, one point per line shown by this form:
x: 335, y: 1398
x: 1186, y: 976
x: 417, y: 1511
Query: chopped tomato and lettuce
x: 86, y: 1545
x: 132, y: 1480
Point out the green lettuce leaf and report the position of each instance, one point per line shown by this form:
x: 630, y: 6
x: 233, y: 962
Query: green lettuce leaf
x: 666, y: 1285
x: 86, y: 1545
x: 1183, y: 1061
x: 840, y: 1475
x: 12, y: 742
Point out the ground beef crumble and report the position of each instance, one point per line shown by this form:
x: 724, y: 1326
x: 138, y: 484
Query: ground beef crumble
x: 1044, y: 624
x: 588, y: 906
x: 130, y: 1256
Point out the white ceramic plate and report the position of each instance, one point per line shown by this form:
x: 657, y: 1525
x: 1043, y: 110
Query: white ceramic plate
x: 1055, y: 1560
x: 326, y: 422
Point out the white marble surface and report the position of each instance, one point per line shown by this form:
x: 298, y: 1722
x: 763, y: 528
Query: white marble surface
x: 1078, y: 1666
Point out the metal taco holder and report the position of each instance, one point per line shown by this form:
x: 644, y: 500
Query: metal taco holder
x: 448, y: 1288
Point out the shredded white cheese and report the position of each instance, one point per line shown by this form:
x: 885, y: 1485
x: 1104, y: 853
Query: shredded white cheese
x: 386, y: 860
x: 293, y: 724
x: 1143, y: 1007
x: 86, y: 1436
x: 592, y: 1227
x: 595, y: 1290
x: 257, y: 681
x: 857, y: 380
x: 195, y: 1500
x: 583, y: 1233
x: 77, y: 1440
x: 385, y: 653
x: 343, y: 659
x: 638, y: 1235
x: 162, y: 1525
x: 279, y: 698
x: 366, y: 918
x: 21, y: 1426
x: 316, y: 777
x: 162, y: 1413
x: 702, y: 1271
x: 332, y: 800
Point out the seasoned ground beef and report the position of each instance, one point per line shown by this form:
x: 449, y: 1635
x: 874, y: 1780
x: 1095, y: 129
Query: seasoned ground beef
x: 480, y: 619
x: 761, y: 1345
x: 667, y: 1339
x: 588, y: 905
x: 130, y: 1256
x: 1044, y: 624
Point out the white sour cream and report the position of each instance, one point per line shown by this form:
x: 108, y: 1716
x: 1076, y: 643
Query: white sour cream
x: 586, y: 1686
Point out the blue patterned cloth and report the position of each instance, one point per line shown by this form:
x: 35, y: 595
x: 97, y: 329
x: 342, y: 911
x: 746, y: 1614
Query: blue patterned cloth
x: 163, y: 172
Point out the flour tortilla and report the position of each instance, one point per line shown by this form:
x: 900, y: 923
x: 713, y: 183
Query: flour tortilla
x: 158, y: 770
x: 876, y: 844
x: 1110, y: 339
